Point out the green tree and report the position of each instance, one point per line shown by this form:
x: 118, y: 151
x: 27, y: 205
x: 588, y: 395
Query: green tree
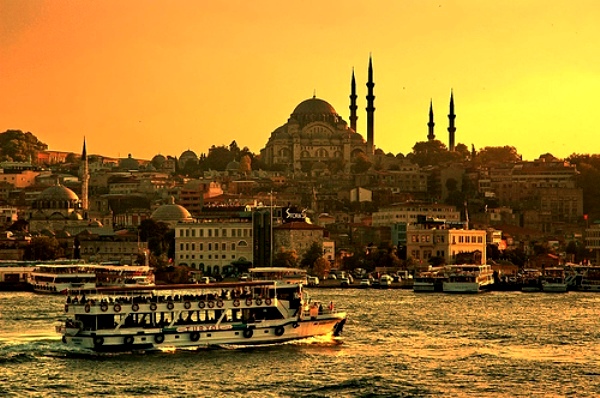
x: 19, y: 147
x: 285, y: 258
x: 43, y: 248
x: 314, y: 252
x: 321, y: 267
x: 498, y: 154
x: 157, y: 236
x: 432, y: 153
x: 245, y: 165
x: 217, y: 159
x: 361, y: 163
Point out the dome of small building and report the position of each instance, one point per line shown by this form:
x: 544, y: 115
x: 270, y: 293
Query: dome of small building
x: 171, y: 212
x: 314, y: 106
x: 233, y: 166
x: 58, y: 192
x: 129, y: 163
x: 188, y: 155
x: 75, y: 216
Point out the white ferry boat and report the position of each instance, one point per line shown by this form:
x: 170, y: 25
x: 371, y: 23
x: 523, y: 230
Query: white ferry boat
x: 553, y: 280
x: 60, y: 277
x: 191, y: 316
x: 467, y: 278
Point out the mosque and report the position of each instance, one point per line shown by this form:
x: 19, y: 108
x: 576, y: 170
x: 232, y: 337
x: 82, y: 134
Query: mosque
x: 315, y: 134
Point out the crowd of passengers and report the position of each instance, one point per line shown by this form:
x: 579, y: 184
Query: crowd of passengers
x: 225, y: 294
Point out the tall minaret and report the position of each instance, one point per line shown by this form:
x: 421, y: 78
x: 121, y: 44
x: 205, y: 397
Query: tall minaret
x: 451, y: 128
x: 430, y: 135
x: 85, y: 179
x: 353, y: 106
x: 370, y: 110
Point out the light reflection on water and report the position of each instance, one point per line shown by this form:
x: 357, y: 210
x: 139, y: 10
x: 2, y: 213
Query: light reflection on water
x: 395, y: 343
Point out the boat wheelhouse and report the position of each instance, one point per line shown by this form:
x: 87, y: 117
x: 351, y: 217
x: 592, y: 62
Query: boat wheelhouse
x: 60, y: 277
x: 123, y: 275
x: 467, y: 278
x: 429, y: 281
x: 192, y: 316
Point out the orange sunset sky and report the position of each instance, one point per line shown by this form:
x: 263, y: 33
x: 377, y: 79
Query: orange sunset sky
x: 150, y: 77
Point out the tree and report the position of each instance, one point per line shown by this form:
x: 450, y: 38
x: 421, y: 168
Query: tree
x: 361, y: 163
x: 43, y: 248
x: 321, y: 267
x: 218, y: 158
x: 19, y: 147
x: 314, y: 252
x: 498, y: 154
x: 432, y: 153
x: 285, y: 258
x: 157, y: 236
x: 245, y: 165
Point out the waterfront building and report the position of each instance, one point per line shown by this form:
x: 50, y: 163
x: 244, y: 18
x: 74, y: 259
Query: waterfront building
x: 424, y: 242
x: 409, y: 213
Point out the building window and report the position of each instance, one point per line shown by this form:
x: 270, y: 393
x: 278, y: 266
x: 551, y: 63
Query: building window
x: 224, y: 233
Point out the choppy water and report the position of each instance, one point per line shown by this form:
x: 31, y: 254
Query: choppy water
x: 395, y: 344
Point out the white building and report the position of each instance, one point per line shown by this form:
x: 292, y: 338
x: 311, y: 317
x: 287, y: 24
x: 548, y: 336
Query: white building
x: 408, y: 213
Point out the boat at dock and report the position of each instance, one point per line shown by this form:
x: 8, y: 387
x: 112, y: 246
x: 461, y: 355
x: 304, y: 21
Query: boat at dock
x: 553, y: 280
x: 467, y: 278
x: 429, y: 281
x: 163, y: 317
x: 60, y: 277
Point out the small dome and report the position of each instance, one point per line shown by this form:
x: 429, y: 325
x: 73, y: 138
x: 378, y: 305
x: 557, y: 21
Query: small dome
x: 171, y: 212
x: 188, y: 155
x: 95, y: 223
x: 58, y: 192
x: 129, y: 163
x: 314, y: 106
x: 75, y: 216
x: 233, y: 166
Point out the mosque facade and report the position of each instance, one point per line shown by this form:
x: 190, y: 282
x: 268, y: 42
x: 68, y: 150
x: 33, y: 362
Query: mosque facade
x: 316, y: 135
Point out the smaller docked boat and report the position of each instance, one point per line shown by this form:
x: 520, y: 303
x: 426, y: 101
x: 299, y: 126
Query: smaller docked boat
x: 531, y: 280
x: 429, y: 281
x: 60, y: 277
x: 553, y: 280
x: 467, y: 278
x: 123, y: 275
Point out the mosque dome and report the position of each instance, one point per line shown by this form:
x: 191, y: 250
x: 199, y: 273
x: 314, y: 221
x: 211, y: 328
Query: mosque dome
x: 314, y: 106
x: 58, y: 193
x: 189, y: 154
x: 129, y: 163
x: 171, y: 212
x: 233, y: 166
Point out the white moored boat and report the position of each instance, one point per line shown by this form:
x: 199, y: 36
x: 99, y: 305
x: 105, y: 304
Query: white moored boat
x: 467, y: 278
x: 189, y: 316
x: 60, y: 277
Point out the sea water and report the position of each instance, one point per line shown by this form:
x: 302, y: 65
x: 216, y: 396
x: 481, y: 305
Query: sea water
x: 395, y: 344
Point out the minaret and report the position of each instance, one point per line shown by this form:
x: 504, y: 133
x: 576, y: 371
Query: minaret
x: 430, y: 135
x: 353, y: 106
x: 370, y: 110
x: 451, y: 128
x: 85, y: 178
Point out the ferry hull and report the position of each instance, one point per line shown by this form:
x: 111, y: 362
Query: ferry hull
x: 462, y: 287
x: 192, y: 336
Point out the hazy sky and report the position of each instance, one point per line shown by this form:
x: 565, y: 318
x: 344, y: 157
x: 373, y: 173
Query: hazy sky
x: 150, y: 77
